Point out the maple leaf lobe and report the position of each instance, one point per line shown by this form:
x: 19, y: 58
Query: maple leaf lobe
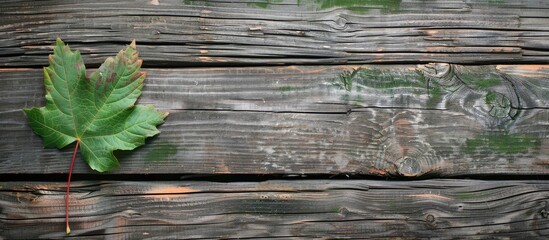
x: 99, y: 111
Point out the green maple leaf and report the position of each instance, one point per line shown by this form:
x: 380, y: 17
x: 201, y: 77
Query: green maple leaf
x: 97, y: 112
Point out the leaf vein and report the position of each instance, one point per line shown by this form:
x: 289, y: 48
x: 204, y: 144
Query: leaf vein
x: 103, y: 104
x: 126, y: 129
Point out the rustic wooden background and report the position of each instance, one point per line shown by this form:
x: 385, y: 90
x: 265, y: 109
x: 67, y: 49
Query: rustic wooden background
x: 293, y: 119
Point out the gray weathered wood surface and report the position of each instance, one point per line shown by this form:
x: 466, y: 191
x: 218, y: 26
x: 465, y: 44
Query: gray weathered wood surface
x: 403, y: 120
x: 464, y: 91
x: 182, y: 33
x: 441, y: 209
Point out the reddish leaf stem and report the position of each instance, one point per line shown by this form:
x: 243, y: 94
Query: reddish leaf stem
x: 69, y: 187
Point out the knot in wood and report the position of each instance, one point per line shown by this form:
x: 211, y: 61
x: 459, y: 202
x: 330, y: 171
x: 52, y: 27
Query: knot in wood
x: 498, y: 104
x: 409, y: 167
x: 435, y: 70
x: 343, y: 211
x: 430, y: 218
x: 341, y: 22
x: 544, y: 213
x: 430, y: 221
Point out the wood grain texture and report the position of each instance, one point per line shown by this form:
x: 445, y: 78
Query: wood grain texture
x: 442, y: 209
x: 397, y: 120
x: 221, y: 33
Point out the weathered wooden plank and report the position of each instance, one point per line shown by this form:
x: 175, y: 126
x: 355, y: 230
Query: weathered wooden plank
x: 325, y: 89
x: 182, y: 33
x: 442, y: 209
x: 387, y: 142
x: 436, y: 119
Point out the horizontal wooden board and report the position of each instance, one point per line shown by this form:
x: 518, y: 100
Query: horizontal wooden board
x: 442, y: 209
x: 397, y: 120
x: 213, y: 33
x: 322, y: 89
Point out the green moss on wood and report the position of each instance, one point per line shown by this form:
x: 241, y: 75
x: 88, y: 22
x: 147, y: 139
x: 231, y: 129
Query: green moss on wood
x: 264, y: 3
x: 500, y: 105
x: 490, y: 98
x: 359, y: 6
x: 435, y: 97
x: 346, y: 79
x: 414, y: 81
x: 494, y: 1
x: 290, y: 88
x: 355, y: 6
x: 384, y: 79
x: 465, y: 196
x: 387, y: 81
x: 197, y: 2
x: 483, y: 84
x: 502, y: 143
x: 480, y: 78
x: 161, y: 152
